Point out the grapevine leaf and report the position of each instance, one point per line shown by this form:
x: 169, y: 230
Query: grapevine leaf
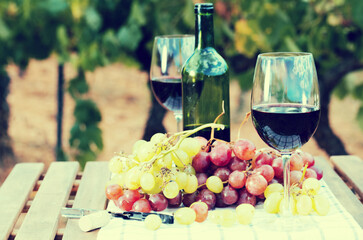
x: 78, y: 86
x: 94, y: 133
x: 84, y: 157
x: 341, y: 91
x: 358, y: 92
x: 357, y: 9
x: 360, y: 117
x: 93, y: 19
x: 54, y: 6
x: 129, y: 36
x: 75, y: 135
x: 245, y: 79
x: 4, y: 31
x: 86, y: 112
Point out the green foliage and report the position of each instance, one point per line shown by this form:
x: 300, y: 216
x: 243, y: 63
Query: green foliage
x: 94, y: 33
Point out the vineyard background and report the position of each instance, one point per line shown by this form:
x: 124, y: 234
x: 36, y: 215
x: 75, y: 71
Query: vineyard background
x: 123, y: 98
x: 92, y: 38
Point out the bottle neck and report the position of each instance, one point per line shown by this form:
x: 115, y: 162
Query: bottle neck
x: 204, y: 34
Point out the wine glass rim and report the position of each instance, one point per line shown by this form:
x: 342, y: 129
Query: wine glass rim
x: 175, y: 36
x: 284, y: 54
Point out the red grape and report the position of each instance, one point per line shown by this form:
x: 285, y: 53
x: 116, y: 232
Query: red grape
x: 307, y: 158
x: 114, y: 191
x: 237, y: 164
x: 201, y: 210
x: 208, y: 197
x: 237, y: 179
x: 131, y: 195
x: 201, y: 161
x: 264, y: 158
x: 141, y: 205
x: 246, y: 197
x: 123, y: 204
x: 229, y: 195
x: 158, y: 202
x: 278, y: 168
x: 189, y: 198
x: 219, y: 201
x: 220, y: 154
x: 222, y: 173
x: 175, y: 202
x: 296, y: 162
x: 310, y: 173
x: 266, y: 171
x: 319, y: 172
x: 295, y: 176
x: 202, y: 179
x: 244, y: 149
x: 256, y: 184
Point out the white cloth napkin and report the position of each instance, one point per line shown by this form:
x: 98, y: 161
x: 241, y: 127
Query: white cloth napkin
x: 338, y: 224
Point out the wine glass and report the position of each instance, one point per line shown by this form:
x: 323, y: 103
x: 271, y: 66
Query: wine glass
x: 285, y: 106
x: 168, y: 56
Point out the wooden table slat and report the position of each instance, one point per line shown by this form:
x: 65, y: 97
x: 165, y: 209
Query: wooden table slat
x: 341, y: 191
x: 91, y: 195
x: 42, y: 219
x: 14, y: 193
x: 350, y: 168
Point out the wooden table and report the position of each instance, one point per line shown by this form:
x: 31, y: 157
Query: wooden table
x: 30, y: 201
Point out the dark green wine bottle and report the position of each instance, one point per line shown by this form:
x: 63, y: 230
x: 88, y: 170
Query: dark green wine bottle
x: 205, y: 80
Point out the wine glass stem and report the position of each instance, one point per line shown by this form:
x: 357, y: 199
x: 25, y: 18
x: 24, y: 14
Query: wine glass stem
x: 287, y: 211
x: 178, y: 118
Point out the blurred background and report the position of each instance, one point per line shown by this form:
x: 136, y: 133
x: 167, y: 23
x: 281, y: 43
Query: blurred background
x: 74, y: 73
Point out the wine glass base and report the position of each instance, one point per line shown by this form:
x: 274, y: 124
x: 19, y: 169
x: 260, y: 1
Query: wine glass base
x: 285, y: 224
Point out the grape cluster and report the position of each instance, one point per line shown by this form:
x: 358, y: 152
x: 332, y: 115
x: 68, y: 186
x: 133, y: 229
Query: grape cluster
x: 198, y: 175
x: 304, y: 201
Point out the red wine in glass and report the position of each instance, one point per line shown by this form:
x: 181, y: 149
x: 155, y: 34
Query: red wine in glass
x: 168, y: 92
x: 285, y: 126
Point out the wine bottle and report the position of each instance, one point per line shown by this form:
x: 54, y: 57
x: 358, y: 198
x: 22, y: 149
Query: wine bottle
x: 205, y: 80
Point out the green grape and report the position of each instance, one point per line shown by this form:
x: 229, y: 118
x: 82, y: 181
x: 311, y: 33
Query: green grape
x: 185, y: 216
x: 158, y: 138
x: 245, y: 213
x: 146, y: 152
x: 115, y: 164
x: 189, y: 170
x: 152, y: 222
x: 180, y: 158
x: 214, y: 184
x: 304, y: 205
x: 132, y: 178
x: 192, y: 184
x: 157, y: 186
x: 272, y: 203
x: 181, y: 178
x: 171, y: 190
x: 311, y: 186
x: 117, y: 179
x: 191, y: 146
x: 274, y: 187
x: 137, y: 145
x: 321, y: 205
x: 164, y: 162
x: 147, y: 181
x: 228, y: 218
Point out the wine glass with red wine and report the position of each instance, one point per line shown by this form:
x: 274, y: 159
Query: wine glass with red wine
x: 285, y: 106
x: 168, y: 56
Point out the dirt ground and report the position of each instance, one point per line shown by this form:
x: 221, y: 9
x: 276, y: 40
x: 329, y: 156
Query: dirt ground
x: 122, y: 95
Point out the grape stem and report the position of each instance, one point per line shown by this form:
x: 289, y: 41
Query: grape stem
x: 182, y: 135
x: 242, y: 123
